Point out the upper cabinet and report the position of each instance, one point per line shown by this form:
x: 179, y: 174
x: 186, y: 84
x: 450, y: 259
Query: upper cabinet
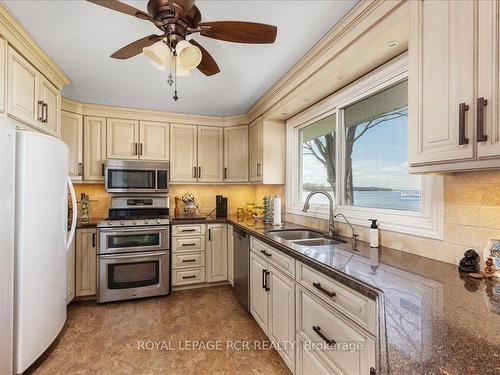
x: 210, y: 154
x: 122, y: 139
x: 72, y: 135
x: 154, y: 140
x: 267, y: 151
x: 31, y: 98
x: 453, y: 85
x: 94, y: 148
x: 236, y: 154
x: 183, y: 145
x: 3, y: 74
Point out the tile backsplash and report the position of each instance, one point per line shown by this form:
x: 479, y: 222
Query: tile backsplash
x: 471, y: 212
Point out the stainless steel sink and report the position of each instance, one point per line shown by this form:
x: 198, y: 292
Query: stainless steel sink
x: 296, y: 234
x: 317, y: 242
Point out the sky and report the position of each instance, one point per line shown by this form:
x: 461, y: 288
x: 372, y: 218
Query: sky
x: 379, y: 159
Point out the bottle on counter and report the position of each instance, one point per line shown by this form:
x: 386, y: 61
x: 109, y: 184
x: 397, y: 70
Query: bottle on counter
x: 374, y: 233
x: 277, y: 210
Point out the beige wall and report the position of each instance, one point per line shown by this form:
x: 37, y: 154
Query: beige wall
x: 471, y: 212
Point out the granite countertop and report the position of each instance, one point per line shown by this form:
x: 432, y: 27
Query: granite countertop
x: 432, y: 320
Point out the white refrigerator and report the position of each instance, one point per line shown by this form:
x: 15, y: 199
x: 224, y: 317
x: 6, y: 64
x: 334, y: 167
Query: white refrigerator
x: 41, y: 243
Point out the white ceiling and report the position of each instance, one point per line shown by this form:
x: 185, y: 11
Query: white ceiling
x: 80, y: 36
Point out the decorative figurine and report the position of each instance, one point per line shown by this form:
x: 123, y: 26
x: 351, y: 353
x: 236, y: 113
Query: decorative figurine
x: 84, y: 208
x: 488, y: 271
x: 190, y: 208
x: 177, y: 210
x: 469, y: 262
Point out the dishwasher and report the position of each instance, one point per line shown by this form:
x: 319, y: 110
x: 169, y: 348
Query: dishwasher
x: 241, y: 267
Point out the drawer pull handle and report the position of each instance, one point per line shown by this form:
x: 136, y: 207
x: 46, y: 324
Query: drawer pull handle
x: 317, y: 329
x: 188, y: 244
x: 320, y: 288
x: 188, y: 230
x: 265, y: 278
x: 189, y: 277
x: 188, y: 260
x: 266, y: 253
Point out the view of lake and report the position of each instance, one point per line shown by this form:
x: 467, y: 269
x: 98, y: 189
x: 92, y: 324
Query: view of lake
x: 378, y: 199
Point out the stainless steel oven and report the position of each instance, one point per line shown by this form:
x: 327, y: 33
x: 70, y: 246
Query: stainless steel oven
x: 133, y: 239
x: 133, y: 275
x: 123, y: 176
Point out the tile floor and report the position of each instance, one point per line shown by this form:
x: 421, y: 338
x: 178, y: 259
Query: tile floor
x: 105, y: 339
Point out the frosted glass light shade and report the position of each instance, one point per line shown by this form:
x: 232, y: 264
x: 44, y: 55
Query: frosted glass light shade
x: 158, y: 54
x: 189, y: 56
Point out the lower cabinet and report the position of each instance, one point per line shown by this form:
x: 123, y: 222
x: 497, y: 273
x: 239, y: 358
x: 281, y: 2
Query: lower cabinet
x: 230, y: 255
x: 216, y: 250
x: 70, y: 271
x: 85, y: 262
x: 272, y: 304
x: 188, y: 254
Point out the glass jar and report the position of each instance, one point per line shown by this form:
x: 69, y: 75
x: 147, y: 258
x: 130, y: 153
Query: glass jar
x: 239, y: 214
x: 249, y: 212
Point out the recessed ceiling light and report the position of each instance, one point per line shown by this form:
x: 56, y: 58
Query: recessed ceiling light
x: 392, y: 43
x: 340, y: 77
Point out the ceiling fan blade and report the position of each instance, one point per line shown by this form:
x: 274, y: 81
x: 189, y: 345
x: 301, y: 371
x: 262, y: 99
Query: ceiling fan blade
x: 208, y: 66
x: 123, y: 8
x: 239, y: 32
x: 136, y: 47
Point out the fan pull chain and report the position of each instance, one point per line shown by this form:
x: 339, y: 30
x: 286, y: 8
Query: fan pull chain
x: 175, y: 73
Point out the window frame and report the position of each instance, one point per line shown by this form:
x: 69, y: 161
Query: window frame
x: 425, y: 223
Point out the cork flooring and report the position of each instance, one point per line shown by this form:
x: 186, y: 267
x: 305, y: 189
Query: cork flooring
x: 189, y: 332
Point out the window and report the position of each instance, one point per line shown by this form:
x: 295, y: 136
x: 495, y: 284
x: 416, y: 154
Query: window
x: 375, y: 156
x: 353, y: 145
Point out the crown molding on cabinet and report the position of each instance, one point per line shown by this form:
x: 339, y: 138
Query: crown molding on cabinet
x: 20, y: 40
x: 99, y: 110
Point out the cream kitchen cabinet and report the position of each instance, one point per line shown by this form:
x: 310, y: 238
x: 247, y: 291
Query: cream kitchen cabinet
x: 31, y: 98
x: 267, y: 151
x: 216, y: 252
x: 230, y: 254
x: 210, y: 154
x: 453, y: 86
x: 258, y: 290
x: 85, y: 262
x: 183, y: 153
x: 189, y: 254
x: 72, y: 135
x: 122, y: 137
x: 94, y: 148
x: 3, y: 74
x: 236, y: 154
x: 154, y: 140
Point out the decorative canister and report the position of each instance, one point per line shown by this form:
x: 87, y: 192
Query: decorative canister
x: 190, y: 206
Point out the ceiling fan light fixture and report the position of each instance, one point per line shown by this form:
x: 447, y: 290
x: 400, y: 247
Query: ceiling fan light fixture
x: 188, y: 55
x: 158, y: 54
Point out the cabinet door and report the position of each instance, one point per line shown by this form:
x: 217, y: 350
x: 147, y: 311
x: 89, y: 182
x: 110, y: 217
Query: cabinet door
x: 70, y: 271
x: 216, y: 252
x: 441, y: 77
x: 488, y: 75
x: 282, y: 314
x: 183, y: 167
x: 3, y: 73
x: 94, y: 148
x: 256, y: 151
x: 86, y: 262
x: 210, y: 154
x: 23, y: 88
x: 122, y: 139
x: 72, y: 135
x: 154, y: 140
x: 258, y: 294
x: 236, y: 154
x: 51, y: 103
x: 230, y: 255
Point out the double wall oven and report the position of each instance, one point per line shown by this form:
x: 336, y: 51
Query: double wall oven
x: 134, y: 242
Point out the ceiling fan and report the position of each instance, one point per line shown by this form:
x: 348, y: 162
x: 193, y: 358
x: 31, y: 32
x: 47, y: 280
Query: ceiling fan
x: 177, y: 19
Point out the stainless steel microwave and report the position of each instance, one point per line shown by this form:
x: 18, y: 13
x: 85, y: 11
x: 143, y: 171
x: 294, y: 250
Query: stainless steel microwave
x: 123, y: 176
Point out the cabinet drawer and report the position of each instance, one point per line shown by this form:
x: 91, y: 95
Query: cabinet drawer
x: 357, y: 307
x: 309, y: 362
x: 282, y: 261
x: 188, y: 244
x: 188, y: 276
x: 188, y: 230
x: 354, y: 350
x: 188, y: 260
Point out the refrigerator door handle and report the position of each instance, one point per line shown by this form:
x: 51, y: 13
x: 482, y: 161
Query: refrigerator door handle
x: 75, y: 209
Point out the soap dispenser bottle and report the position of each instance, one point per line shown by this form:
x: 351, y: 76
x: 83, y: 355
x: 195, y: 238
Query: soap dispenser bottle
x: 374, y: 233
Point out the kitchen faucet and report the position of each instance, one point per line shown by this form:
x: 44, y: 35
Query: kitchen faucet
x: 332, y: 231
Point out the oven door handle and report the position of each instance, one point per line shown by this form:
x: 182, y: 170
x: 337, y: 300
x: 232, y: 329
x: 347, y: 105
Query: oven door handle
x: 135, y: 255
x: 129, y: 231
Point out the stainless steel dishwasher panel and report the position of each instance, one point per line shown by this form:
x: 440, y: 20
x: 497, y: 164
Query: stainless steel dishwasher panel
x: 242, y: 267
